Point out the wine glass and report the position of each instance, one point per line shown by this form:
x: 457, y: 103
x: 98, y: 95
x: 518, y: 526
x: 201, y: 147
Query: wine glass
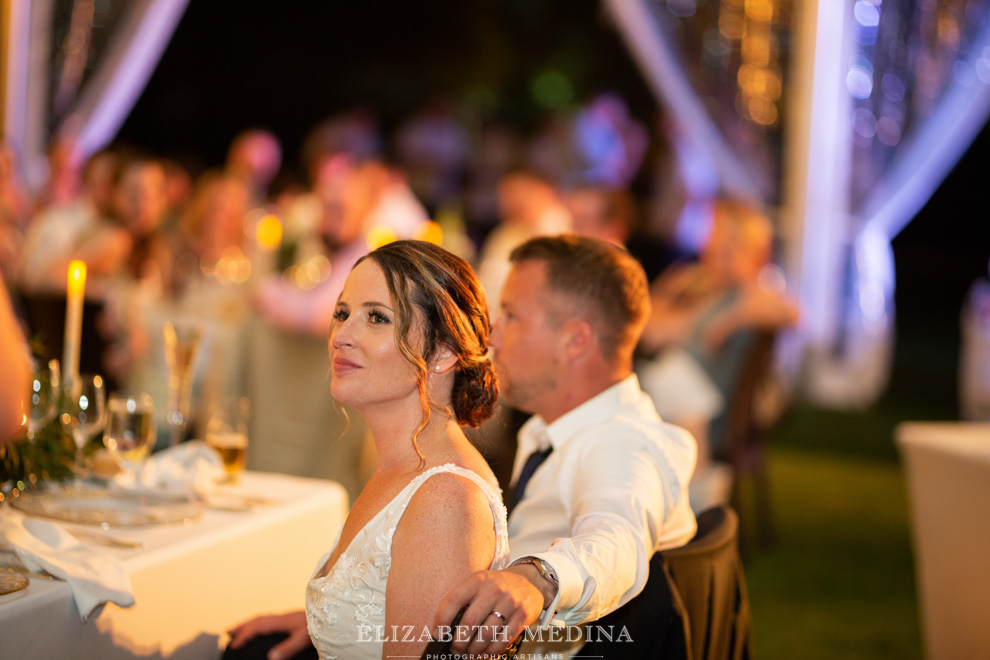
x: 45, y: 384
x: 130, y: 431
x: 83, y: 412
x: 181, y: 347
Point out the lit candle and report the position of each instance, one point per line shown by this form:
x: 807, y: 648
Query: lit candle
x: 74, y: 291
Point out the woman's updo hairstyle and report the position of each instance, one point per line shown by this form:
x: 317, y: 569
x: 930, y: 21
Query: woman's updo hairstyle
x: 455, y: 314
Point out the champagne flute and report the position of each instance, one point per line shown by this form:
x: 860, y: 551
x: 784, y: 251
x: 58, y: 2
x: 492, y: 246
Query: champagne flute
x: 130, y: 431
x: 84, y: 412
x: 45, y: 386
x: 181, y: 347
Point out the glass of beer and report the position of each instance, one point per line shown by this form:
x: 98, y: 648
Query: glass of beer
x: 227, y: 432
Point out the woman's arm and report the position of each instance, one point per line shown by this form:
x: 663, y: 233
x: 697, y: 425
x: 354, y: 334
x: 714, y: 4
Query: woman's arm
x: 757, y: 308
x: 17, y: 371
x: 674, y: 308
x: 446, y: 534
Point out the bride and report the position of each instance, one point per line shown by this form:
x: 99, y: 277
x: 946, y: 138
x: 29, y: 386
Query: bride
x: 408, y: 350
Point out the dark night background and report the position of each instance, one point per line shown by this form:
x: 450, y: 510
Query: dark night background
x: 232, y: 65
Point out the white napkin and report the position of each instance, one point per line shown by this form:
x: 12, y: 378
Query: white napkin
x: 189, y: 471
x: 94, y: 577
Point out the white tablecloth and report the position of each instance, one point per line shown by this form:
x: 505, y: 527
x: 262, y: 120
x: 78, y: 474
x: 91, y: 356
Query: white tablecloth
x: 192, y: 582
x: 948, y: 479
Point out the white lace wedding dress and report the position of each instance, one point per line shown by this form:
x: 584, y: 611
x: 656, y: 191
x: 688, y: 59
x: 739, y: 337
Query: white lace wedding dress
x: 345, y: 609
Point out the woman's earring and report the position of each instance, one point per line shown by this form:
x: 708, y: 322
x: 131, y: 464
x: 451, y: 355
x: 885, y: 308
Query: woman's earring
x: 437, y: 368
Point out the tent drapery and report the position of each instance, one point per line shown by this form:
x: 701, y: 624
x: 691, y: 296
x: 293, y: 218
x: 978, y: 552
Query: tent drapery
x: 106, y: 98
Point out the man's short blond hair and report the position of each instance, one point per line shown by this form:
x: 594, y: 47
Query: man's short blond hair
x: 600, y: 281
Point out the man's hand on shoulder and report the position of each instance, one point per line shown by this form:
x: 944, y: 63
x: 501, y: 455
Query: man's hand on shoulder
x: 500, y: 606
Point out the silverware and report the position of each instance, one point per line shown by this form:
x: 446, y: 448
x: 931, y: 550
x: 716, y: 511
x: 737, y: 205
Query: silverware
x: 112, y: 541
x: 237, y: 502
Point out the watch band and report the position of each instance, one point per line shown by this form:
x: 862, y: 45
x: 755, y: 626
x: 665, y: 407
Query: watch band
x: 545, y: 569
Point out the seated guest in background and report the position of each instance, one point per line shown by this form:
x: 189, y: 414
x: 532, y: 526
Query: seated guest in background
x: 409, y: 350
x: 601, y: 213
x: 611, y: 214
x: 140, y: 205
x: 61, y: 185
x: 529, y: 206
x: 81, y: 229
x: 355, y: 200
x: 210, y: 228
x: 16, y: 370
x: 705, y: 319
x: 15, y: 208
x: 255, y: 156
x: 612, y: 486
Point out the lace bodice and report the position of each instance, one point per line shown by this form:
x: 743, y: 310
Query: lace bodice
x: 345, y: 609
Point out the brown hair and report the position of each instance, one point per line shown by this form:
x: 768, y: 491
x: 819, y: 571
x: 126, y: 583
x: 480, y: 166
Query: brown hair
x: 599, y: 277
x: 455, y: 315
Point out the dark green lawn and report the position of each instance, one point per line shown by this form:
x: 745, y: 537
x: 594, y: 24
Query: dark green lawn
x: 839, y: 582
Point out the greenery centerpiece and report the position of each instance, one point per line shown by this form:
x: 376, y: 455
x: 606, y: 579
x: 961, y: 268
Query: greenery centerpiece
x: 49, y: 457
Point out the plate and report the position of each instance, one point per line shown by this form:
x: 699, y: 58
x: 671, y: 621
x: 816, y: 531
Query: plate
x: 99, y: 507
x: 11, y: 581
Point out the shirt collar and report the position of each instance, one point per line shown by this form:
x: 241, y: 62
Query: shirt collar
x: 537, y: 434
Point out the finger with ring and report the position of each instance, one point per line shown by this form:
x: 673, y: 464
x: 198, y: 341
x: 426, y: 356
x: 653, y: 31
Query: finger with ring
x: 498, y: 615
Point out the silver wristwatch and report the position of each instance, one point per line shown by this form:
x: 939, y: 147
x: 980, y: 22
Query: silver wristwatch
x: 545, y: 569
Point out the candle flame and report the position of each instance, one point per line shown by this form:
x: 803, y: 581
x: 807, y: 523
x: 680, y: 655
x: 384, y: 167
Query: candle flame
x: 77, y: 277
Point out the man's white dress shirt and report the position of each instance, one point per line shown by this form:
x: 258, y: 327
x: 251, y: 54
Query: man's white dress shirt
x: 613, y: 491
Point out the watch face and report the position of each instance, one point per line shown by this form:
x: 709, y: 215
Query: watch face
x: 546, y: 570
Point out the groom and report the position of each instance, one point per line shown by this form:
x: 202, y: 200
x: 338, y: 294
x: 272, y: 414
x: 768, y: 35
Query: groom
x: 600, y: 481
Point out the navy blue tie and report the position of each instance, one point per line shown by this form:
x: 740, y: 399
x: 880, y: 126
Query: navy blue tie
x: 533, y: 462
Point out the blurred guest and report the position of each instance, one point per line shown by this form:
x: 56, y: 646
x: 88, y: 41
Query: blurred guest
x: 256, y: 156
x: 139, y: 206
x: 610, y: 214
x: 362, y: 206
x: 15, y: 209
x: 329, y: 154
x: 82, y: 229
x: 211, y: 227
x: 601, y: 213
x: 15, y: 206
x: 63, y: 179
x: 178, y: 188
x: 530, y: 206
x: 16, y: 370
x: 705, y: 319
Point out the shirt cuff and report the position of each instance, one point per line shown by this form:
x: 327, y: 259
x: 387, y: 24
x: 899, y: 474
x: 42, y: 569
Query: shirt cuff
x: 570, y: 586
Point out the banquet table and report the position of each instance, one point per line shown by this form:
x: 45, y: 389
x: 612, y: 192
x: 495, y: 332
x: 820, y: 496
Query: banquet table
x: 192, y: 582
x: 947, y: 466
